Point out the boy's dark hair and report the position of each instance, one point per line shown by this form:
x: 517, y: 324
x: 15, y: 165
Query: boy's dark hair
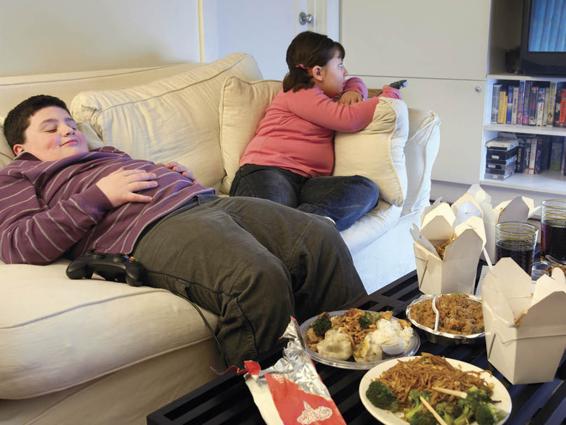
x: 17, y: 121
x: 308, y: 49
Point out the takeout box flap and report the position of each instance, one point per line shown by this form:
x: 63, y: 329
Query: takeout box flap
x: 429, y: 270
x: 438, y: 224
x: 506, y: 288
x: 512, y: 279
x: 517, y: 209
x: 465, y: 207
x: 495, y: 300
x: 548, y: 312
x: 547, y: 285
x: 467, y: 245
x: 474, y: 223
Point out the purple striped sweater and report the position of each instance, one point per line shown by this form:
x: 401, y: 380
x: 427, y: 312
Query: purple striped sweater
x: 50, y: 208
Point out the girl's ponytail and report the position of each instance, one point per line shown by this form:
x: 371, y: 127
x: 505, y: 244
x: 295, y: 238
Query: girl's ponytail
x: 297, y: 78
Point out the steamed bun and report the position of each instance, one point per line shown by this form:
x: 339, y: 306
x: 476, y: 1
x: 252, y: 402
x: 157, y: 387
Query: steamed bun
x: 336, y: 345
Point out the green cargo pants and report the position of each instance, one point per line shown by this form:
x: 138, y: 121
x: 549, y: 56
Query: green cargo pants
x: 252, y: 262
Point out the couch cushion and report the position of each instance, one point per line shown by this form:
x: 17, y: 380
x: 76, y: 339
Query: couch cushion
x: 175, y: 118
x: 242, y: 106
x: 6, y: 154
x: 376, y: 152
x: 56, y: 333
x: 371, y: 226
x: 421, y: 150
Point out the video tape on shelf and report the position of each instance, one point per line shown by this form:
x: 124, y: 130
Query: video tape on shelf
x: 495, y: 154
x: 499, y: 171
x: 492, y: 167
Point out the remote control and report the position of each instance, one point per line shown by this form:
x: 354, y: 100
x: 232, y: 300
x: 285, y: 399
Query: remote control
x: 398, y: 84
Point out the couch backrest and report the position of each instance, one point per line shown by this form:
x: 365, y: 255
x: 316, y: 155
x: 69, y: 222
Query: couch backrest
x: 188, y: 94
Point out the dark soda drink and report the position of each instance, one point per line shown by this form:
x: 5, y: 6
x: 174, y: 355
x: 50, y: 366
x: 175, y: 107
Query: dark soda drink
x: 553, y: 239
x: 520, y: 251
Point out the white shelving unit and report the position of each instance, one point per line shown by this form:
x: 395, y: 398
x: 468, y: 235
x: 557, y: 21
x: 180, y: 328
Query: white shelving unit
x: 548, y: 182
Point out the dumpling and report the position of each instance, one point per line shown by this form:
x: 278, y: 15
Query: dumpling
x: 393, y: 339
x: 369, y: 350
x: 336, y: 345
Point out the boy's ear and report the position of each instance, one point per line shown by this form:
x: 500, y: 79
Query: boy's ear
x: 18, y: 149
x: 317, y: 73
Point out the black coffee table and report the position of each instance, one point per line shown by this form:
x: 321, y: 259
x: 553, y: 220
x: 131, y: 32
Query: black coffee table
x: 227, y: 400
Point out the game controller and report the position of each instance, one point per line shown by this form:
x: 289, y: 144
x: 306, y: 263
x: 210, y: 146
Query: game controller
x: 112, y: 267
x: 398, y: 84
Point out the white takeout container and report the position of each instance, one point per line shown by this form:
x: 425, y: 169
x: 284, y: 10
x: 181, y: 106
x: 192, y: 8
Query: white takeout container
x: 516, y: 209
x: 456, y: 272
x: 525, y: 327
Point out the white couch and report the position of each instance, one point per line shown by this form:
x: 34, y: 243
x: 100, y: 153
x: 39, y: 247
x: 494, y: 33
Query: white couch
x: 95, y: 352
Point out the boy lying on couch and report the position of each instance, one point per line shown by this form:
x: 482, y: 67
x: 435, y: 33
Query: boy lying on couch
x: 250, y: 261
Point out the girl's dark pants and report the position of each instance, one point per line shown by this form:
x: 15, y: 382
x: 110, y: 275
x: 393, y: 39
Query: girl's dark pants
x: 344, y: 199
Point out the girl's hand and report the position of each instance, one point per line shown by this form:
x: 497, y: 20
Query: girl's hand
x: 121, y: 186
x: 350, y: 97
x: 175, y: 166
x: 389, y: 91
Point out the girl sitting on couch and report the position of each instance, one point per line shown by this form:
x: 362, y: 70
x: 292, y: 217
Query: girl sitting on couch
x: 291, y: 158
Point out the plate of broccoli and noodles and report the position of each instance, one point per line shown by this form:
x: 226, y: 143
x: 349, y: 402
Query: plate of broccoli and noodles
x: 358, y: 339
x: 392, y: 392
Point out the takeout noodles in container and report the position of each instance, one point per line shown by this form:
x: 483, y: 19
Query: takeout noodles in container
x: 525, y: 327
x: 447, y: 249
x: 460, y: 318
x: 358, y: 339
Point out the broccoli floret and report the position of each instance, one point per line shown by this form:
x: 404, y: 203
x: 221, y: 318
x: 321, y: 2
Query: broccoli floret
x: 446, y: 411
x: 477, y: 395
x: 416, y: 404
x: 321, y: 324
x: 422, y: 417
x: 465, y: 412
x: 365, y: 321
x: 487, y: 414
x: 381, y: 396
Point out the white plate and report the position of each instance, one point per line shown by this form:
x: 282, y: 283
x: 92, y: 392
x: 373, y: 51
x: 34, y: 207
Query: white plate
x: 390, y: 418
x: 413, y: 347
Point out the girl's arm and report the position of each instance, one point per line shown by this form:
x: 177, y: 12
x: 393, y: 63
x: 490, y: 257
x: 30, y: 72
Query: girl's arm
x: 357, y: 85
x: 34, y: 233
x: 314, y: 106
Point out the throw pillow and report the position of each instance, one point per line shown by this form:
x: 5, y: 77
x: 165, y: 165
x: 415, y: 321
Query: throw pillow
x: 242, y: 106
x: 6, y: 154
x: 174, y: 118
x: 376, y: 152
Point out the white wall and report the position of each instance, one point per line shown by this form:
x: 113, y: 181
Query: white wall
x: 260, y: 27
x: 77, y: 35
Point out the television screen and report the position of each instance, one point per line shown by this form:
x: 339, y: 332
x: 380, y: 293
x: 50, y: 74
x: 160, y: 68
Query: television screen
x: 547, y: 26
x: 543, y: 37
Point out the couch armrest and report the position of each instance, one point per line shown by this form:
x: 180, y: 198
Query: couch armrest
x: 420, y: 152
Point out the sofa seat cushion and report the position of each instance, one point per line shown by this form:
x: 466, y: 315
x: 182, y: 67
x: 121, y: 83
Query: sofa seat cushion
x: 56, y: 333
x: 174, y: 118
x: 371, y: 226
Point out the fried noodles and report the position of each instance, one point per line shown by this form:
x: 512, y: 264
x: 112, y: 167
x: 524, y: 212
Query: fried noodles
x: 459, y: 314
x: 423, y: 373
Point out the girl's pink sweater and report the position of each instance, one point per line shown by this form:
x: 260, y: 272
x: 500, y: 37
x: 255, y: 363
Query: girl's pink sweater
x: 297, y: 131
